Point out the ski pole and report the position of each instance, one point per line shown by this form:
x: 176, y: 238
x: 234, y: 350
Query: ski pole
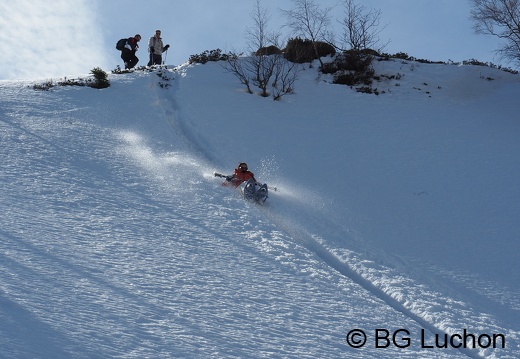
x: 274, y: 188
x: 165, y: 54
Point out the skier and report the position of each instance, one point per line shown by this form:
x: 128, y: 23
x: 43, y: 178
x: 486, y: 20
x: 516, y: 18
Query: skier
x: 128, y: 52
x: 242, y: 174
x: 156, y: 48
x: 252, y: 190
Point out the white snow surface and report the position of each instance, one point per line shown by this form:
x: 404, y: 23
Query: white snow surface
x: 397, y: 212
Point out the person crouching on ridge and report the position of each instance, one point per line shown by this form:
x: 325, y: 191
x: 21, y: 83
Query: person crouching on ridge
x: 242, y: 174
x: 128, y: 52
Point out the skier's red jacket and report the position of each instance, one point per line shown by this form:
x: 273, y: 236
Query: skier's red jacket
x: 240, y: 176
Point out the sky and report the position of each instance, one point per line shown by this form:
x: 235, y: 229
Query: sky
x: 69, y: 37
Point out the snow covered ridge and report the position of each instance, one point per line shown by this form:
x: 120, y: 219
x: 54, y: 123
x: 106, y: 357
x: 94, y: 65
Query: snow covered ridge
x: 396, y: 217
x: 99, y: 80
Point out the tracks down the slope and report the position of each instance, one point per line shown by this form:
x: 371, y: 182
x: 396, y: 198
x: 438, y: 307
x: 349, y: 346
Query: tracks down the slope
x: 310, y: 241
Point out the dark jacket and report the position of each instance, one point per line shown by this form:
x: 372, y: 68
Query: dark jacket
x: 131, y: 45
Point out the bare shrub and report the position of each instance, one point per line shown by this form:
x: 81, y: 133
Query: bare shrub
x: 500, y: 18
x: 308, y: 20
x: 302, y: 51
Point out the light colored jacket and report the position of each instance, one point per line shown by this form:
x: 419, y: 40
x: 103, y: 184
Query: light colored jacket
x: 157, y: 45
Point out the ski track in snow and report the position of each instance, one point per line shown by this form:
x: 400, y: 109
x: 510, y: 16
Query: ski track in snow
x: 142, y: 253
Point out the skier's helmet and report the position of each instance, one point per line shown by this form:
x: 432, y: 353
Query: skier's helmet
x: 242, y: 166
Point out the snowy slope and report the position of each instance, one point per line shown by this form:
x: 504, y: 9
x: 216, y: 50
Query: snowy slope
x: 397, y: 211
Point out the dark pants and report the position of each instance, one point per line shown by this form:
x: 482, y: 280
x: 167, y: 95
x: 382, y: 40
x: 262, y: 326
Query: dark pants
x: 129, y: 58
x: 155, y: 59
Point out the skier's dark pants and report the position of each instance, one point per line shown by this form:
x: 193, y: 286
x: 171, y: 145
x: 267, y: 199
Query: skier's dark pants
x: 155, y: 59
x: 129, y: 58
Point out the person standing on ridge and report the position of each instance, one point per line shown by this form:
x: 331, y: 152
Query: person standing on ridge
x: 128, y: 52
x: 156, y: 48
